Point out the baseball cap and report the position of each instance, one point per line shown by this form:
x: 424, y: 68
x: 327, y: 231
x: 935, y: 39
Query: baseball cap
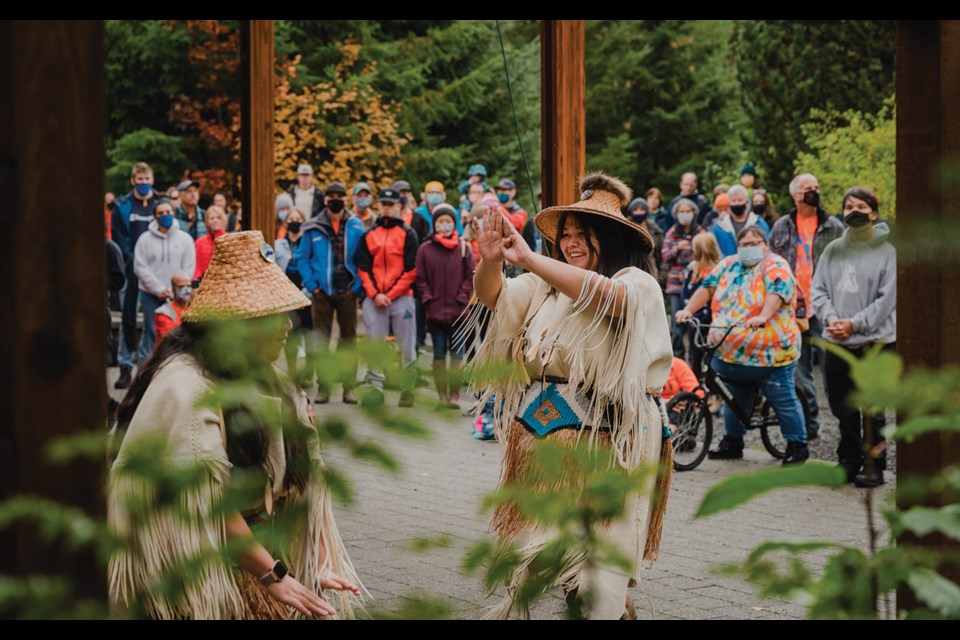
x: 186, y: 184
x: 401, y: 185
x: 389, y: 195
x: 305, y: 169
x: 506, y: 183
x: 335, y: 187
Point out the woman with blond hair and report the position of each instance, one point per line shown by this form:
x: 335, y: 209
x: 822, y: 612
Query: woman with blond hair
x: 706, y: 256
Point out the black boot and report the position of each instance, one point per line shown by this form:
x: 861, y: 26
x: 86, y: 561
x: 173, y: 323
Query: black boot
x: 730, y: 448
x: 797, y: 453
x: 871, y: 477
x: 125, y: 378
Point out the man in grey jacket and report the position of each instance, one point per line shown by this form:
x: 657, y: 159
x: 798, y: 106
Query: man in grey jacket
x: 854, y: 293
x: 800, y: 237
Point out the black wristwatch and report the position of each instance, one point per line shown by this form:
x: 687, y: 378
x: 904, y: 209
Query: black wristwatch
x: 275, y: 574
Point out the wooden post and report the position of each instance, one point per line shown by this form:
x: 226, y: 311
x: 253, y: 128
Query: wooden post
x: 256, y: 135
x: 563, y: 87
x: 52, y: 330
x: 928, y: 297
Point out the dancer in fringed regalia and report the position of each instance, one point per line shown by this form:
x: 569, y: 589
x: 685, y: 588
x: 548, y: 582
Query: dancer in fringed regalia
x: 589, y: 326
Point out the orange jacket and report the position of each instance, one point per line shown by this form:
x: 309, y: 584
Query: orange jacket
x: 681, y: 378
x: 387, y: 258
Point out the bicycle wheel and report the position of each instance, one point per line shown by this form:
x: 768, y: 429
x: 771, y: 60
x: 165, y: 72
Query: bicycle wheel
x: 770, y: 433
x: 692, y: 429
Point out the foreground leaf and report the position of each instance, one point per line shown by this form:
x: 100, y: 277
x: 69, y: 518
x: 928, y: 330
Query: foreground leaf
x: 739, y: 489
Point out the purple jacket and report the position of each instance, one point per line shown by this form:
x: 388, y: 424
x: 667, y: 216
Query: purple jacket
x: 444, y: 280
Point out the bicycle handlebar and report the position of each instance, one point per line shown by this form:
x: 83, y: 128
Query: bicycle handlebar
x: 701, y: 343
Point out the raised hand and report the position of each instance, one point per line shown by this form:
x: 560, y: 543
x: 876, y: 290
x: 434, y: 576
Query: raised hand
x: 489, y: 239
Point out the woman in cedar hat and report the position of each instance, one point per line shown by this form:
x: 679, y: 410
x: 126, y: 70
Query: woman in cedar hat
x: 262, y: 446
x: 589, y: 327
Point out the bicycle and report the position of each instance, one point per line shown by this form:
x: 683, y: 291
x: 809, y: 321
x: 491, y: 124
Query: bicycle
x: 691, y: 420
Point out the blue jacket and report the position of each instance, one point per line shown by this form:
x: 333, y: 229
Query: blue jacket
x: 316, y: 258
x: 727, y: 239
x: 129, y: 219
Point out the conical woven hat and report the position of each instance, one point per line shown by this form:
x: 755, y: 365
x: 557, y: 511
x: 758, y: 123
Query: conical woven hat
x: 600, y: 195
x: 243, y: 281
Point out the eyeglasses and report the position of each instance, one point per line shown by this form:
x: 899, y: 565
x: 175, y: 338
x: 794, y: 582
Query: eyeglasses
x: 746, y: 245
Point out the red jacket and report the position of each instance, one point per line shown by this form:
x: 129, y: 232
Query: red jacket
x: 204, y: 245
x: 387, y: 258
x: 681, y: 378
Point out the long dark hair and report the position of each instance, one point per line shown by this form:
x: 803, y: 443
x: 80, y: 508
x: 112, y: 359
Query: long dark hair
x: 619, y: 247
x: 246, y: 438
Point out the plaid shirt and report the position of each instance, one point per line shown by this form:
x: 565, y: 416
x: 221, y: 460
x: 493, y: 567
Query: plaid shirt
x: 784, y: 237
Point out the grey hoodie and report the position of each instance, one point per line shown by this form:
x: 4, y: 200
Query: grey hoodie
x: 858, y: 282
x: 159, y: 256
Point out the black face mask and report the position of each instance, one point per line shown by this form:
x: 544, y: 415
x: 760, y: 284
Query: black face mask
x: 857, y: 220
x: 738, y: 209
x: 335, y: 206
x: 639, y: 218
x: 293, y: 227
x: 812, y: 198
x: 759, y: 209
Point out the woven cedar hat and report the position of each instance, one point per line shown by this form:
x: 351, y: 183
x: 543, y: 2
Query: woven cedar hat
x: 243, y: 281
x: 600, y: 195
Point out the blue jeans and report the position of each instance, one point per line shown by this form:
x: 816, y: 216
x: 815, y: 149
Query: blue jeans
x: 804, y: 375
x: 149, y: 304
x: 676, y: 330
x: 777, y: 384
x: 442, y: 337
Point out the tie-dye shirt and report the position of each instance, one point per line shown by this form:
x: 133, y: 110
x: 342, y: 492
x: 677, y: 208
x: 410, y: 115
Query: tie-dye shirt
x: 739, y: 294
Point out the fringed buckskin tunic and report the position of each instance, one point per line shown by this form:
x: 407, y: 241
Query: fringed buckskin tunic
x: 196, y: 434
x: 618, y: 364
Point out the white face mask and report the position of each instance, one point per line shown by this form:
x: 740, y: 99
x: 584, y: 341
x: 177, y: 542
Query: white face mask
x: 445, y: 228
x: 684, y: 218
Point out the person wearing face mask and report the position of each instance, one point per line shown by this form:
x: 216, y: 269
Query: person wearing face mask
x: 854, y: 292
x: 282, y: 205
x: 726, y: 228
x: 289, y: 253
x: 445, y: 266
x: 721, y: 209
x: 755, y: 291
x: 433, y: 196
x: 387, y: 264
x: 363, y: 203
x: 801, y: 237
x: 677, y: 253
x: 689, y: 189
x: 307, y: 197
x: 132, y: 214
x: 168, y: 315
x: 329, y: 270
x: 639, y: 212
x: 190, y: 214
x: 216, y: 219
x: 507, y: 194
x: 161, y: 252
x: 412, y: 218
x: 763, y: 207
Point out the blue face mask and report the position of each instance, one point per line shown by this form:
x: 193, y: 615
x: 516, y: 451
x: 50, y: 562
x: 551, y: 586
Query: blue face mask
x: 504, y: 198
x: 433, y: 199
x: 750, y: 256
x: 282, y: 214
x: 363, y: 203
x: 165, y: 221
x: 143, y: 189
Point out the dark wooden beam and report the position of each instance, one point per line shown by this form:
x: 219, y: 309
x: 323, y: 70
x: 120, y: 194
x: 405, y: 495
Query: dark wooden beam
x: 563, y: 88
x: 928, y: 296
x: 52, y: 336
x: 256, y: 135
